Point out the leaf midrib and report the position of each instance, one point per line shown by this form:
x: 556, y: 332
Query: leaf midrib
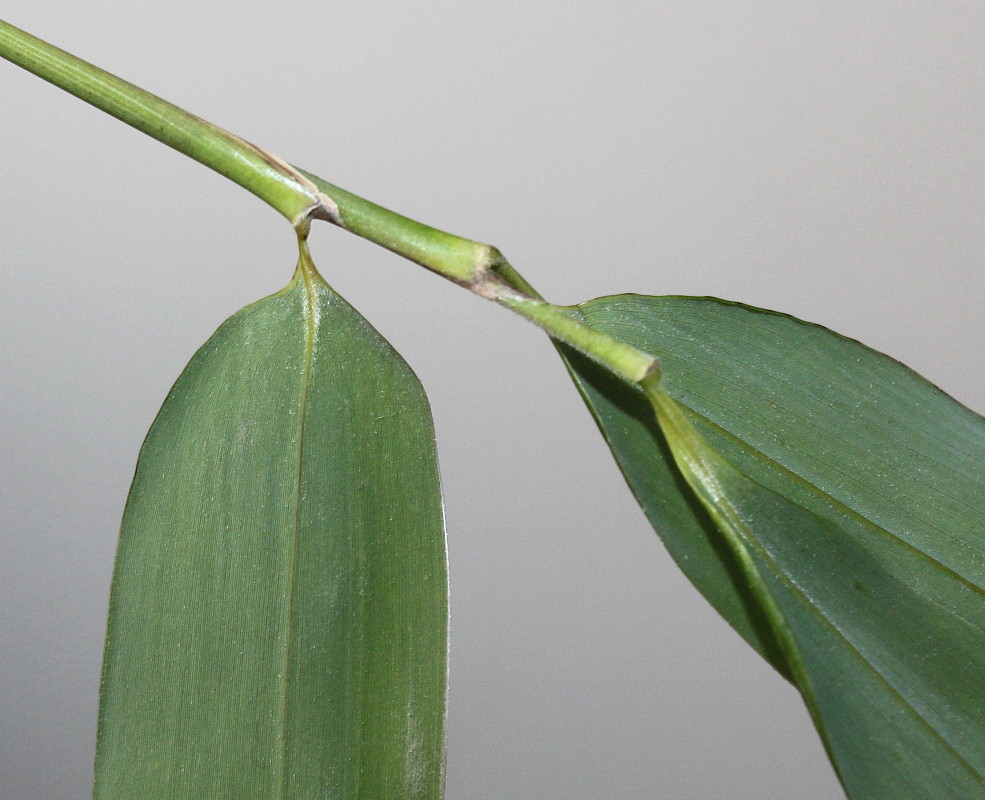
x: 309, y: 314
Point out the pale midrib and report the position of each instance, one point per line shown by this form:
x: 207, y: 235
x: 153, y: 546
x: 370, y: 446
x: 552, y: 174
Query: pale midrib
x: 309, y: 348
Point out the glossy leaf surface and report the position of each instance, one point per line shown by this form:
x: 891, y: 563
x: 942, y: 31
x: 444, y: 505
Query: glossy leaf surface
x: 278, y: 621
x: 831, y: 504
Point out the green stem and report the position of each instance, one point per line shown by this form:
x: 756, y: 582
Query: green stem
x: 252, y: 168
x: 451, y: 256
x: 482, y: 269
x: 300, y: 197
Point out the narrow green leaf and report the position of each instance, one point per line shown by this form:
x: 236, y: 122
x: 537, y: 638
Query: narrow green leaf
x: 278, y: 620
x: 841, y: 525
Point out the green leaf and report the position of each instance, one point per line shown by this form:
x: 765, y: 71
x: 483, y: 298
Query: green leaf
x: 831, y: 504
x: 278, y: 619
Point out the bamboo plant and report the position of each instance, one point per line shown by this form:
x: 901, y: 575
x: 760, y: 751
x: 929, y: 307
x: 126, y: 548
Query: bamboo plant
x: 278, y: 617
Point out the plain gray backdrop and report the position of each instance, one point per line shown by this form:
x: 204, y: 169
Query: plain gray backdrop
x: 822, y: 159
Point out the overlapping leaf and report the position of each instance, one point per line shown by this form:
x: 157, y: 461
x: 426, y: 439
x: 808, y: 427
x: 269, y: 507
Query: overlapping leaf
x: 831, y: 504
x: 278, y: 624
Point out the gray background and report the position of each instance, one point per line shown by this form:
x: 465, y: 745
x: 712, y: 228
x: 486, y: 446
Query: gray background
x: 824, y: 159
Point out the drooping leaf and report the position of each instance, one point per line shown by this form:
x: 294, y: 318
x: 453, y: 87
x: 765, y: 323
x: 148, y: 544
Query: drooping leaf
x: 278, y: 620
x: 840, y: 524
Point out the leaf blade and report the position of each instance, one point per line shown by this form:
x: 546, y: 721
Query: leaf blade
x: 816, y: 439
x: 287, y: 498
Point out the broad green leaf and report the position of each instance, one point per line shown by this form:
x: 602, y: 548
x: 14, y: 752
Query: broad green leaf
x: 278, y: 619
x: 840, y: 524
